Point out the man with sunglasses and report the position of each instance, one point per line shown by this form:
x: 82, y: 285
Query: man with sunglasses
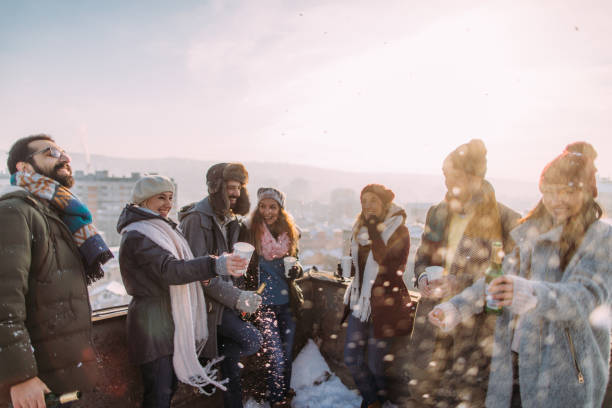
x: 49, y: 252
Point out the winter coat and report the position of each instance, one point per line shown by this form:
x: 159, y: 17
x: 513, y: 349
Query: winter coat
x: 491, y: 221
x: 45, y: 314
x: 389, y: 296
x: 147, y: 271
x: 564, y: 347
x: 197, y: 221
x: 252, y: 278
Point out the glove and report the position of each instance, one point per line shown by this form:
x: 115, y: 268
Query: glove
x: 296, y: 271
x: 372, y: 225
x: 248, y: 301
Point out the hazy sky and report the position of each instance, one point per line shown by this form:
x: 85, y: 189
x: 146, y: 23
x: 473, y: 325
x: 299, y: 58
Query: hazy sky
x: 356, y: 85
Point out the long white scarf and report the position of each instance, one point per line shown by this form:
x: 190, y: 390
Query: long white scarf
x: 188, y: 310
x: 359, y: 302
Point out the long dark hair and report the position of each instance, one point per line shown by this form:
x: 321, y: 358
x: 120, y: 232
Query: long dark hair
x: 573, y: 229
x: 284, y: 223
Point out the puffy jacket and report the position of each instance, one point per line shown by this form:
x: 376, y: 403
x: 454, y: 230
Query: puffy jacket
x: 147, y: 271
x: 45, y: 314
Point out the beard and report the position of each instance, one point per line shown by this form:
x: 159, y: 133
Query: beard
x: 65, y: 180
x: 235, y: 203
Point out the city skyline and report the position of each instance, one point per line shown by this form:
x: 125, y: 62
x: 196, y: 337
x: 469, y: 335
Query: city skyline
x: 352, y: 86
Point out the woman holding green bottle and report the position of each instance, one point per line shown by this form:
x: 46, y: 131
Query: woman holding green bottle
x: 552, y: 340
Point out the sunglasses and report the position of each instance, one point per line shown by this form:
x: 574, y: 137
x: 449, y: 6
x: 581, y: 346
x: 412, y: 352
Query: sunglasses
x: 51, y: 152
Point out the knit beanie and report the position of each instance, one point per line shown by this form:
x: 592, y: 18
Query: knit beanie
x: 574, y: 167
x: 270, y: 192
x: 382, y: 192
x: 150, y: 185
x: 470, y: 157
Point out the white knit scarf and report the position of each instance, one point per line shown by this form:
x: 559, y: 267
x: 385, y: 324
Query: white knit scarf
x: 188, y: 310
x: 360, y: 302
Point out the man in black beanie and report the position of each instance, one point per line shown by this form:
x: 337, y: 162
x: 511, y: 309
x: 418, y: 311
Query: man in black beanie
x: 212, y: 226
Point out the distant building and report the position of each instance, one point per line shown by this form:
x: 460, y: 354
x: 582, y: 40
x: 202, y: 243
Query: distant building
x: 416, y: 212
x: 604, y: 187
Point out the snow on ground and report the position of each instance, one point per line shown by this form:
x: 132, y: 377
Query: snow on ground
x: 314, y: 384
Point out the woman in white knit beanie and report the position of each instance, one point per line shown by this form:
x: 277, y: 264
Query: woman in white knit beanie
x: 166, y: 320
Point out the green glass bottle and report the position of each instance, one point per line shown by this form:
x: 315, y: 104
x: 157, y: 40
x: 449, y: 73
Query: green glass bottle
x: 493, y: 271
x: 53, y: 400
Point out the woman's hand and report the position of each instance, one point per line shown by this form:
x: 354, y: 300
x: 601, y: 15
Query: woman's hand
x: 235, y: 264
x: 436, y: 317
x: 502, y: 290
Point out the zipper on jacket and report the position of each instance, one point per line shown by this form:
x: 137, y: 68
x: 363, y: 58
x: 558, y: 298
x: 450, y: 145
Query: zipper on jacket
x: 540, y: 345
x: 573, y: 351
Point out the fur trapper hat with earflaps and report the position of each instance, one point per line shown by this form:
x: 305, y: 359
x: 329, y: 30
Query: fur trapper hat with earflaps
x: 216, y: 177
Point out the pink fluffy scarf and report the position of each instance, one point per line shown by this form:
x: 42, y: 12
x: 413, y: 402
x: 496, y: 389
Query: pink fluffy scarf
x: 274, y: 248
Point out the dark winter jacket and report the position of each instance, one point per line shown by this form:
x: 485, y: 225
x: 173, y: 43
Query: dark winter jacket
x: 197, y: 221
x: 45, y: 315
x: 471, y: 341
x: 389, y: 296
x: 252, y: 277
x: 147, y: 271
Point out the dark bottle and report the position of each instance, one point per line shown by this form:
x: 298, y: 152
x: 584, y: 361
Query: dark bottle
x: 493, y: 271
x: 55, y: 401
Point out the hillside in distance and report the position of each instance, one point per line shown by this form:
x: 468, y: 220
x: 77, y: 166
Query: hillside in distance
x: 302, y: 182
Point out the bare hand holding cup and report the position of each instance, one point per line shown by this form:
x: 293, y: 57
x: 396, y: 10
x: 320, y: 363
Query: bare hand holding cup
x: 236, y: 265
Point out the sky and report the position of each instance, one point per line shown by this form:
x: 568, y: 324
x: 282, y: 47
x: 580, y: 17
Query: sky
x: 384, y: 86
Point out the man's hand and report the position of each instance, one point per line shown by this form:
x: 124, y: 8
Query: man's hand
x: 29, y: 394
x: 248, y: 301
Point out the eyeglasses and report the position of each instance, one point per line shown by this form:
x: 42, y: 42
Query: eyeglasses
x: 52, y: 152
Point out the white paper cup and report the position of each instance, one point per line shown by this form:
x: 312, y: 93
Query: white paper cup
x: 289, y: 261
x: 243, y: 250
x: 434, y: 273
x: 346, y: 262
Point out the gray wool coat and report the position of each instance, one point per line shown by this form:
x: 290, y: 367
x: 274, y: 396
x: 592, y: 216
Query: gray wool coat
x: 198, y: 225
x: 564, y: 346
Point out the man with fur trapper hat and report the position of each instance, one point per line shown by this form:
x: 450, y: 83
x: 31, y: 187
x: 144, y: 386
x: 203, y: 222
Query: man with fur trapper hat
x: 212, y: 226
x: 458, y: 235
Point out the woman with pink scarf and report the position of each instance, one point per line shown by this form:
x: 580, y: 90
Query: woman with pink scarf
x: 275, y: 237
